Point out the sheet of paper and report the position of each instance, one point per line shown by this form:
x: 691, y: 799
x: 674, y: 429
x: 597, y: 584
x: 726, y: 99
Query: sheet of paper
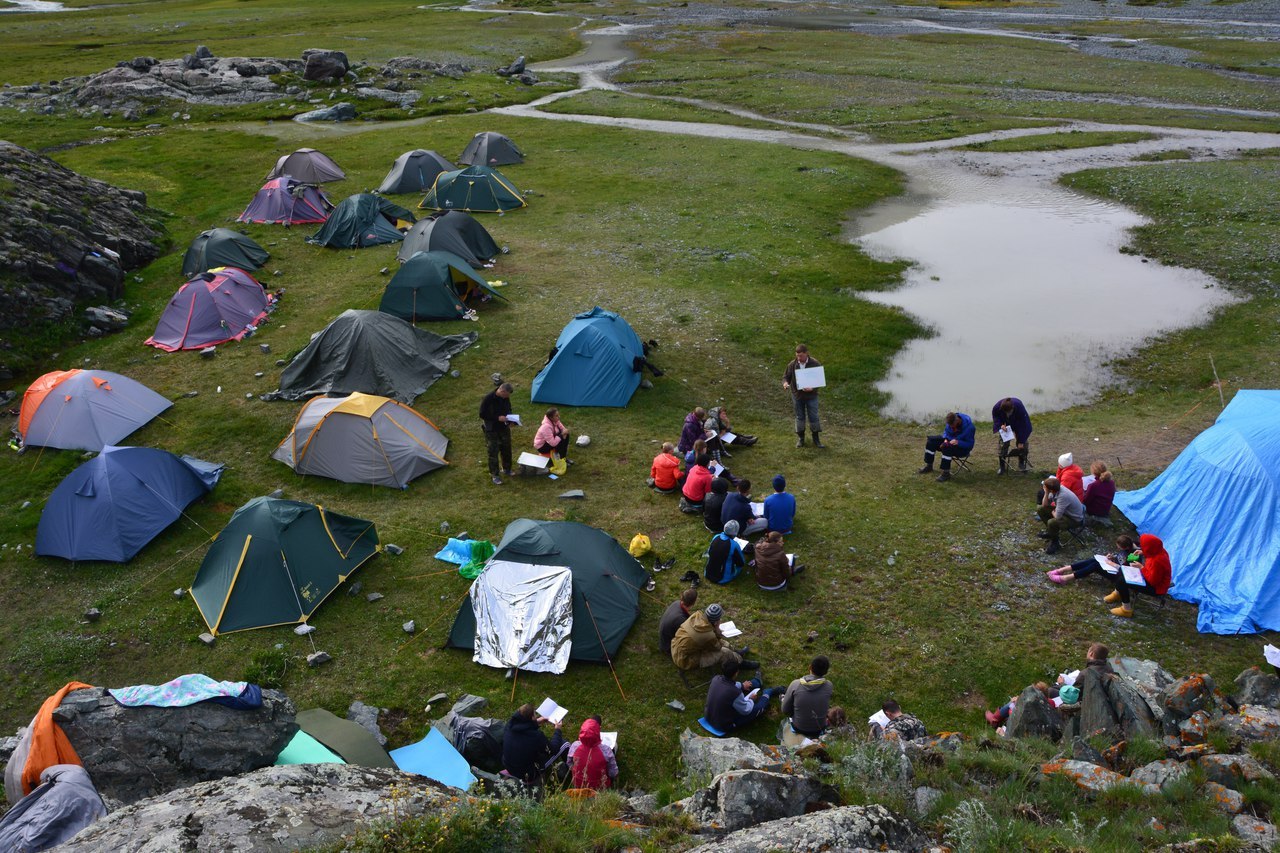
x: 728, y: 437
x: 811, y: 377
x: 791, y: 560
x: 533, y: 460
x: 742, y: 543
x: 1056, y: 702
x: 1133, y: 575
x: 610, y: 739
x: 1088, y: 480
x: 1069, y: 678
x: 728, y: 629
x: 878, y: 717
x: 1105, y: 564
x: 551, y: 710
x: 1006, y: 433
x: 514, y: 419
x: 1272, y: 654
x: 757, y: 508
x: 716, y: 469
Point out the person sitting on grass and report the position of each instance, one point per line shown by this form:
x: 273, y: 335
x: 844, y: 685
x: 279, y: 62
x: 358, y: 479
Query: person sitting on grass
x: 1000, y: 716
x: 737, y: 507
x: 693, y: 429
x: 724, y: 556
x: 664, y: 474
x: 1070, y: 475
x: 1060, y: 510
x: 780, y: 507
x: 1151, y: 558
x: 592, y: 764
x: 901, y: 726
x: 1126, y: 553
x: 732, y: 704
x: 526, y: 751
x: 552, y: 438
x: 806, y: 704
x: 698, y: 643
x: 717, y: 421
x: 957, y: 439
x: 713, y: 504
x: 673, y: 617
x: 1100, y: 494
x: 697, y: 485
x: 773, y: 567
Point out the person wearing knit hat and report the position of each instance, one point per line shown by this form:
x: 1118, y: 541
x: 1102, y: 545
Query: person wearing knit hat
x: 714, y: 612
x: 725, y: 559
x: 1070, y: 475
x: 698, y: 643
x: 780, y: 507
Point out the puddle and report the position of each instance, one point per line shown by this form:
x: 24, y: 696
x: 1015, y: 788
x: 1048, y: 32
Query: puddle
x: 32, y: 6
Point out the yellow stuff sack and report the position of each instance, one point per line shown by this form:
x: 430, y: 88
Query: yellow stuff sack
x: 640, y: 545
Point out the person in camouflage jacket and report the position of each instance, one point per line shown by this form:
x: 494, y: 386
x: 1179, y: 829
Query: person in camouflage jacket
x: 901, y: 726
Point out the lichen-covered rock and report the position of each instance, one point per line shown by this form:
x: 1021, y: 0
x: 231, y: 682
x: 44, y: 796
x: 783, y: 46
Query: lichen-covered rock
x: 1147, y: 675
x: 1132, y: 710
x: 741, y: 798
x: 1255, y: 831
x: 1187, y: 695
x: 1034, y: 716
x: 1232, y: 771
x: 211, y: 81
x: 847, y: 828
x: 1253, y: 722
x: 272, y: 809
x: 705, y: 756
x: 1255, y: 687
x: 1160, y: 773
x: 1193, y: 729
x: 933, y: 745
x: 1226, y: 799
x: 1091, y: 777
x: 135, y: 753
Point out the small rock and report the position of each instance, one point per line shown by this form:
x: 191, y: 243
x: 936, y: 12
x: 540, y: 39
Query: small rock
x: 409, y: 627
x: 439, y: 697
x: 25, y: 504
x: 248, y: 396
x: 384, y: 271
x: 374, y: 596
x: 304, y: 629
x: 258, y: 375
x: 393, y: 549
x: 179, y: 592
x: 646, y: 384
x: 192, y: 394
x: 93, y: 614
x: 208, y: 352
x: 265, y: 347
x: 355, y: 588
x: 926, y: 799
x: 1255, y: 831
x: 208, y: 639
x: 1224, y: 798
x: 469, y: 705
x: 675, y: 705
x: 317, y: 658
x: 280, y: 362
x: 455, y: 373
x: 277, y: 494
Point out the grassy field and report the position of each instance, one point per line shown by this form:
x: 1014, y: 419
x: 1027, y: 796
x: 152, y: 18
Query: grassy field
x: 931, y: 594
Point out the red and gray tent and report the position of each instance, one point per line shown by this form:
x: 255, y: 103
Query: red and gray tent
x: 309, y: 166
x: 212, y: 308
x: 85, y: 409
x: 287, y: 201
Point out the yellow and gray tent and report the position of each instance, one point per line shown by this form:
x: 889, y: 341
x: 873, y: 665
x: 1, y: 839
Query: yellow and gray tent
x: 276, y: 561
x: 475, y: 189
x: 362, y: 438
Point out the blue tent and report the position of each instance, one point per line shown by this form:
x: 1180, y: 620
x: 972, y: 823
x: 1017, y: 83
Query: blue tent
x: 113, y: 505
x: 1217, y: 508
x: 594, y: 363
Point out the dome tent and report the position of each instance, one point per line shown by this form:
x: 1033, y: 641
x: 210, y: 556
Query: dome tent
x: 490, y: 149
x: 432, y: 286
x: 287, y: 201
x: 596, y: 362
x: 414, y: 172
x: 112, y: 506
x: 276, y: 561
x: 450, y: 231
x: 222, y: 247
x: 362, y: 438
x: 309, y: 166
x: 85, y: 409
x: 363, y: 220
x: 476, y: 189
x: 214, y: 307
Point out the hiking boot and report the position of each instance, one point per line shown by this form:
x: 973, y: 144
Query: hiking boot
x: 1112, y: 598
x: 927, y: 469
x: 799, y: 439
x: 1053, y: 547
x: 744, y: 651
x: 798, y: 569
x: 651, y: 585
x: 509, y: 473
x: 944, y: 476
x: 657, y: 566
x: 690, y: 577
x: 817, y: 441
x: 1124, y: 610
x: 667, y: 565
x: 994, y: 719
x: 749, y: 664
x: 497, y: 481
x: 1003, y: 467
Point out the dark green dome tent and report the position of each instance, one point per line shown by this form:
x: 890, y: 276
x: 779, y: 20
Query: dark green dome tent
x: 433, y: 286
x: 276, y: 561
x: 222, y: 247
x: 606, y: 584
x: 488, y: 148
x: 414, y: 172
x: 476, y: 189
x: 450, y: 231
x: 363, y: 220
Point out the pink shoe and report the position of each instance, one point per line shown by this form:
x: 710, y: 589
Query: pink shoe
x: 1056, y: 576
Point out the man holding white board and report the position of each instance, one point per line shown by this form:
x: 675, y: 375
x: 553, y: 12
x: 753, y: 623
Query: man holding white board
x: 803, y: 377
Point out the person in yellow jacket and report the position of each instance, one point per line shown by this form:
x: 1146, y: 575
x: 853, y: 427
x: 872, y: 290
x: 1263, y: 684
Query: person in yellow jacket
x: 698, y: 644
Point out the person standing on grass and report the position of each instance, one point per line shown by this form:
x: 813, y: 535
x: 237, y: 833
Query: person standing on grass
x: 805, y: 400
x: 1011, y: 414
x: 494, y: 409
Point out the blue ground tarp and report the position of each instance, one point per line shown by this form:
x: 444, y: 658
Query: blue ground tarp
x: 1217, y: 508
x: 594, y: 363
x: 435, y: 758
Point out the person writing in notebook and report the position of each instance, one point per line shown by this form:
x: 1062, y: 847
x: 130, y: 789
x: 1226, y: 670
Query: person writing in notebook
x: 1151, y: 560
x: 1012, y: 425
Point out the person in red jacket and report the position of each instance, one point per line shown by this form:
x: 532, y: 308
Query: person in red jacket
x: 1156, y: 571
x: 664, y: 474
x: 1070, y: 475
x: 697, y: 485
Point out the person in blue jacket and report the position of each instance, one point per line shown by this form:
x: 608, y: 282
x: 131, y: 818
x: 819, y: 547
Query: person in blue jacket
x: 956, y: 440
x: 725, y: 559
x: 1010, y: 413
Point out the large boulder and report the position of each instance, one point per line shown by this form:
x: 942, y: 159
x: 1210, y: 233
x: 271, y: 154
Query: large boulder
x: 135, y: 753
x: 1097, y: 715
x: 1255, y: 687
x: 1232, y: 771
x: 1034, y: 716
x: 1187, y: 695
x: 704, y: 756
x: 324, y: 65
x: 1091, y: 777
x: 1147, y: 674
x: 225, y: 81
x: 1136, y: 718
x: 338, y: 112
x: 1160, y: 773
x: 1082, y: 750
x: 273, y: 809
x: 1253, y: 722
x: 742, y: 798
x: 846, y: 828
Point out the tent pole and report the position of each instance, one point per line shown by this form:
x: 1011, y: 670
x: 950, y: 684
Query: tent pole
x: 514, y: 681
x: 607, y: 659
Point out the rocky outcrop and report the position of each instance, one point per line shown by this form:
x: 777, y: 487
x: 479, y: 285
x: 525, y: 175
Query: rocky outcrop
x: 846, y: 828
x: 1033, y: 716
x: 1255, y: 687
x: 135, y: 753
x: 741, y: 798
x: 224, y: 81
x: 1253, y: 722
x: 704, y: 756
x: 338, y: 112
x: 272, y: 809
x: 1091, y: 777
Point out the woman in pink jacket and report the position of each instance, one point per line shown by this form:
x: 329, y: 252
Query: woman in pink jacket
x: 552, y: 436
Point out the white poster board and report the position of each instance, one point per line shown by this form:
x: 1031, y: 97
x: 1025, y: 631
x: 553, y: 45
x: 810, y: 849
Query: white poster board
x: 810, y: 377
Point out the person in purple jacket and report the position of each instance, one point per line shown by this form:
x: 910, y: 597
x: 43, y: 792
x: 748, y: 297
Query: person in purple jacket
x: 1010, y: 413
x: 692, y: 430
x: 1099, y: 494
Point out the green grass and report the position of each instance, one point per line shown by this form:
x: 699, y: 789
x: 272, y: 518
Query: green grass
x: 629, y: 106
x: 1062, y: 141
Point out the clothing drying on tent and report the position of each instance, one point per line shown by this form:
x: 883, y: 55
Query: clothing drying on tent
x: 596, y: 362
x: 414, y: 172
x: 1217, y: 508
x: 362, y: 438
x: 222, y: 247
x: 113, y: 505
x: 352, y: 741
x: 605, y: 595
x: 214, y: 307
x: 287, y: 201
x: 450, y: 231
x: 276, y: 561
x: 363, y: 220
x: 477, y: 189
x: 433, y: 286
x: 490, y: 149
x: 373, y: 353
x: 85, y: 409
x: 309, y: 166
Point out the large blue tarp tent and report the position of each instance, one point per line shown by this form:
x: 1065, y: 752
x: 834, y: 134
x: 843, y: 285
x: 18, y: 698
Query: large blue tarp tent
x: 596, y: 362
x: 1217, y: 508
x: 113, y: 505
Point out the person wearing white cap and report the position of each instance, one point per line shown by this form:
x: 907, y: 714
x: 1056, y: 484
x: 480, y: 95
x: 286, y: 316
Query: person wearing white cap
x: 1070, y: 475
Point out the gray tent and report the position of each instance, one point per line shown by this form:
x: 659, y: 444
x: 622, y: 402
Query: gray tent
x: 450, y: 231
x: 362, y: 438
x: 369, y: 352
x: 490, y: 149
x: 308, y: 166
x: 414, y: 172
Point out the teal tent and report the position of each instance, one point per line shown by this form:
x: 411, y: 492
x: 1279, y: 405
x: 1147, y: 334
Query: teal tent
x: 276, y: 561
x: 433, y: 286
x: 363, y: 220
x: 596, y: 362
x: 476, y: 189
x: 304, y: 749
x: 222, y: 247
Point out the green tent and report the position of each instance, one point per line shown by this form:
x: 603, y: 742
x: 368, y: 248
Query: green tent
x: 606, y: 583
x: 363, y: 220
x: 352, y: 741
x: 476, y: 189
x: 222, y: 247
x: 276, y: 561
x: 304, y: 749
x: 433, y: 286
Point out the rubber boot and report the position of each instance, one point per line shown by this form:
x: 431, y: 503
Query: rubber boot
x: 1112, y: 597
x: 817, y: 442
x: 1124, y: 610
x: 1003, y: 465
x: 800, y: 438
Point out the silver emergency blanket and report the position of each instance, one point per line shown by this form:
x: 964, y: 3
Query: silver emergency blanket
x: 524, y: 616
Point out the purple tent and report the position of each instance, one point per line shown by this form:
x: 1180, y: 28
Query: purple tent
x: 214, y: 307
x: 285, y: 201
